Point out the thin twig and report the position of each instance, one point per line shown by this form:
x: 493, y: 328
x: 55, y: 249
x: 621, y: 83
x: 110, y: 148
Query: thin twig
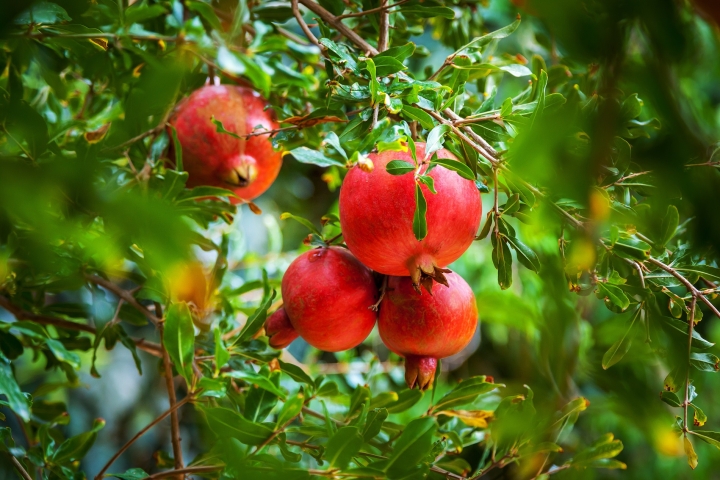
x: 383, y: 7
x: 108, y: 285
x: 113, y: 36
x: 167, y: 412
x: 20, y: 314
x: 627, y: 177
x: 685, y: 282
x: 383, y: 288
x: 691, y: 325
x: 384, y: 26
x: 306, y: 30
x: 332, y: 20
x: 170, y: 383
x: 20, y: 468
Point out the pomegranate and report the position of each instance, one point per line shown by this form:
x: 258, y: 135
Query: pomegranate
x: 247, y: 166
x: 424, y: 328
x: 279, y: 329
x: 376, y: 216
x: 327, y: 293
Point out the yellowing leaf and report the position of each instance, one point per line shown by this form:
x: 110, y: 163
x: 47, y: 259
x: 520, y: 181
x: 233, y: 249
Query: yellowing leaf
x: 691, y: 455
x: 471, y: 418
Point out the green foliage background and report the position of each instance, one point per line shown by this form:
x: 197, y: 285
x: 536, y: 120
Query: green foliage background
x: 605, y: 114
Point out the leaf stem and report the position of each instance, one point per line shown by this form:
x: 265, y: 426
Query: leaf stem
x: 162, y: 416
x: 170, y: 383
x: 124, y: 294
x: 383, y: 8
x: 20, y: 468
x: 191, y: 470
x: 691, y: 325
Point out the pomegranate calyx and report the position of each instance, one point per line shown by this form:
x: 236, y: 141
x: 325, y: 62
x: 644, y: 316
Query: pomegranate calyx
x: 279, y: 329
x: 420, y: 371
x: 425, y: 277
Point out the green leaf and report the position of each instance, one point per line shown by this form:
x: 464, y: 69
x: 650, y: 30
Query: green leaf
x: 406, y: 400
x: 400, y: 53
x: 525, y: 255
x: 680, y: 328
x: 412, y: 446
x: 292, y: 407
x: 333, y: 140
x: 301, y: 220
x: 631, y: 108
x: 705, y: 271
x: 141, y: 12
x: 75, y: 448
x: 295, y: 372
x: 132, y: 474
x: 428, y: 12
x: 387, y: 66
x: 421, y: 116
x: 669, y: 225
x: 212, y: 387
x: 258, y: 379
x: 342, y: 446
x: 374, y: 84
x: 313, y: 157
x: 706, y: 362
x: 456, y: 166
x: 621, y: 346
x: 179, y: 339
x: 177, y: 148
x: 615, y: 294
x: 699, y: 417
x: 399, y: 167
x: 606, y: 450
x: 220, y: 128
x: 374, y: 421
x: 479, y: 42
x: 228, y: 423
x: 221, y: 353
x: 435, y: 139
x: 713, y: 438
x: 541, y: 86
x: 42, y: 12
x: 419, y: 220
x: 670, y: 398
x: 466, y: 392
x: 428, y: 181
x: 15, y: 397
x: 502, y: 260
x: 207, y: 12
x: 632, y: 248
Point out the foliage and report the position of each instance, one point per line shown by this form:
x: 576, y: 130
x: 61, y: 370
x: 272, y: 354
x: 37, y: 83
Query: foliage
x: 601, y: 184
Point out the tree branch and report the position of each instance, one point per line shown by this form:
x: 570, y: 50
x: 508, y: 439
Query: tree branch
x: 167, y: 412
x: 20, y: 314
x: 306, y: 30
x: 384, y: 26
x: 332, y: 20
x: 370, y: 11
x: 685, y: 282
x: 19, y: 467
x: 169, y: 382
x: 120, y: 293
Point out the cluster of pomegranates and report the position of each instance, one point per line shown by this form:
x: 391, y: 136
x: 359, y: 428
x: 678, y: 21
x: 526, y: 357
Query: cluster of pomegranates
x: 331, y: 298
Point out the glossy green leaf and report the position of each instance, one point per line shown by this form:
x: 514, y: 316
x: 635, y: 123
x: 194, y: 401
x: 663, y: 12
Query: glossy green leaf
x: 618, y: 350
x: 179, y: 339
x: 342, y: 446
x: 227, y: 423
x: 399, y: 167
x: 419, y: 220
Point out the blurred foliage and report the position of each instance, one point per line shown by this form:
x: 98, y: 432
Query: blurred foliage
x: 590, y: 126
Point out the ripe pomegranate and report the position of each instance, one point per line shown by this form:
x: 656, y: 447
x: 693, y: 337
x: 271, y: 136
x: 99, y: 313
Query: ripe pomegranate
x: 327, y: 293
x: 247, y: 166
x: 424, y: 328
x: 279, y: 329
x: 376, y: 215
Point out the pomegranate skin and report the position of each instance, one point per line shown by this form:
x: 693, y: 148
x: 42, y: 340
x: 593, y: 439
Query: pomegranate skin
x: 376, y: 215
x: 279, y: 329
x: 246, y: 166
x: 327, y: 294
x: 423, y: 328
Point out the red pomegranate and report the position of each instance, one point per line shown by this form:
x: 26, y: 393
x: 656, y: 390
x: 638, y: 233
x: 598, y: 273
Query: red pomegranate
x: 279, y: 329
x: 423, y: 328
x: 376, y: 215
x: 327, y: 293
x: 247, y: 166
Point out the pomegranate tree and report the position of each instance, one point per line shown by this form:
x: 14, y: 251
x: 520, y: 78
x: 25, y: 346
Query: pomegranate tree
x: 247, y: 166
x: 377, y: 210
x: 327, y: 293
x: 424, y: 328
